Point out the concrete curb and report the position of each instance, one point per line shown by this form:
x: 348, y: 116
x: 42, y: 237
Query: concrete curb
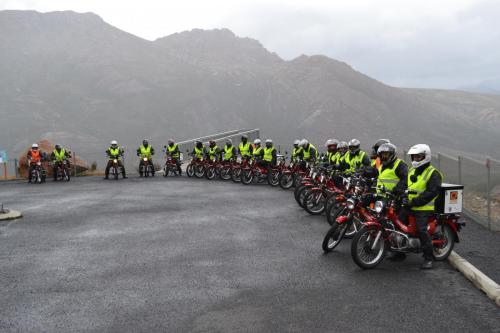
x: 481, y: 281
x: 11, y: 215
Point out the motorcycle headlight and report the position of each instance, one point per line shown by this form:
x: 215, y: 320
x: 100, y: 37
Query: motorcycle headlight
x: 379, y: 206
x: 38, y: 163
x: 115, y: 160
x: 145, y: 159
x: 350, y: 204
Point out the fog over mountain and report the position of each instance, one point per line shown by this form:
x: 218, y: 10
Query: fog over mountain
x: 75, y: 79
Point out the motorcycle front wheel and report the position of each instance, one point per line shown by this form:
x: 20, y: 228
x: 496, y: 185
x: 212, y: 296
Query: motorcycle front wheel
x: 247, y: 177
x: 199, y: 171
x: 236, y: 175
x: 190, y: 170
x: 314, y: 202
x: 363, y: 251
x: 333, y: 237
x: 286, y: 181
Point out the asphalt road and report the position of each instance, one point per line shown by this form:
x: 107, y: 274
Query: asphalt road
x: 187, y: 255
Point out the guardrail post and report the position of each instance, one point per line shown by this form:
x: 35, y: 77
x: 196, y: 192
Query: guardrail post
x: 459, y: 169
x: 16, y: 171
x: 5, y: 170
x: 488, y: 196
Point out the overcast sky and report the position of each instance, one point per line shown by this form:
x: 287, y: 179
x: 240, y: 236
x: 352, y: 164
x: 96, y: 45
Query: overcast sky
x: 412, y: 43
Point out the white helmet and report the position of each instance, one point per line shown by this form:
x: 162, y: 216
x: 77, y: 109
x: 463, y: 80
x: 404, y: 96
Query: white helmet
x: 269, y: 141
x: 304, y: 142
x: 114, y: 143
x: 331, y: 142
x: 296, y: 142
x: 354, y: 146
x: 257, y: 141
x: 35, y: 145
x: 420, y: 149
x: 342, y: 144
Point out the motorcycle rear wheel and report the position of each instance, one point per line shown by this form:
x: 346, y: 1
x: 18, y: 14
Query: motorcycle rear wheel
x: 443, y: 252
x: 314, y: 202
x: 273, y: 178
x: 236, y: 175
x: 286, y: 181
x: 190, y: 170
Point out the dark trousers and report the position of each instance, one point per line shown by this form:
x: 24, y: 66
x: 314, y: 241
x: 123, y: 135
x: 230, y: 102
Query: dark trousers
x: 110, y: 164
x: 63, y: 164
x: 421, y: 219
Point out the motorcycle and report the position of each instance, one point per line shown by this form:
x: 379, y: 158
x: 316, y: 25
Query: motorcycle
x: 351, y: 216
x: 115, y: 169
x: 255, y: 172
x: 62, y: 170
x: 170, y: 167
x: 291, y: 175
x: 388, y: 233
x: 236, y: 171
x: 37, y: 173
x: 146, y: 168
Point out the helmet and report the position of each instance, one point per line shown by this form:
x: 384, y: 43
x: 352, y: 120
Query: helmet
x: 387, y: 148
x: 57, y: 146
x: 304, y: 142
x: 378, y: 144
x: 256, y: 141
x: 269, y: 141
x: 171, y: 141
x: 197, y: 142
x: 211, y: 143
x: 296, y: 142
x: 342, y: 144
x: 331, y: 142
x: 145, y: 142
x: 229, y: 142
x: 354, y: 146
x: 422, y: 150
x: 34, y: 146
x: 244, y: 137
x: 114, y: 143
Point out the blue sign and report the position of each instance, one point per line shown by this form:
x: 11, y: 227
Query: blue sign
x: 3, y: 156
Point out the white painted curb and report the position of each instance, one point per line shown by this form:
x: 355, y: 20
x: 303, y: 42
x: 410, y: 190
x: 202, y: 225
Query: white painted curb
x: 481, y: 281
x: 11, y: 215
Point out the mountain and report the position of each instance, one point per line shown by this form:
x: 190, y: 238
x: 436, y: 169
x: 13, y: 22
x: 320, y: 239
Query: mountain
x: 73, y: 78
x: 491, y: 86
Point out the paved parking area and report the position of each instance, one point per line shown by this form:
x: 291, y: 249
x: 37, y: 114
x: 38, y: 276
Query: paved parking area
x: 188, y: 255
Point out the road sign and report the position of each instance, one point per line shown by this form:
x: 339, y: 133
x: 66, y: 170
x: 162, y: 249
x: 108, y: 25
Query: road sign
x: 3, y: 156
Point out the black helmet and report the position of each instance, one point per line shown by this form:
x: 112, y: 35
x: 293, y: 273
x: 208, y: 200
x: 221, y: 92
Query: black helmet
x: 377, y: 145
x: 229, y: 142
x: 145, y: 142
x: 211, y: 143
x: 244, y: 138
x: 387, y: 153
x: 58, y: 147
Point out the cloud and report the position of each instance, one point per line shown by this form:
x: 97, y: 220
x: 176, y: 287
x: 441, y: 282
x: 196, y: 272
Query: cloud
x: 446, y: 43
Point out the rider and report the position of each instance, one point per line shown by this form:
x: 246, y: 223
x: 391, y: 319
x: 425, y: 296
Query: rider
x: 214, y: 152
x: 59, y: 156
x: 297, y: 153
x: 332, y: 153
x: 114, y: 152
x: 229, y: 151
x: 145, y: 151
x: 35, y: 155
x: 172, y: 150
x: 270, y: 154
x: 375, y: 159
x: 392, y: 172
x: 245, y: 149
x: 199, y: 151
x: 426, y: 180
x: 356, y: 157
x: 310, y: 153
x: 258, y: 152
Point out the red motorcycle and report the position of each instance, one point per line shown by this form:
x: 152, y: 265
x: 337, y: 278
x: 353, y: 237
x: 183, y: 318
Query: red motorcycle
x: 196, y: 168
x: 170, y: 167
x: 388, y: 233
x: 351, y: 216
x: 238, y: 168
x: 291, y: 175
x: 315, y: 200
x: 255, y: 172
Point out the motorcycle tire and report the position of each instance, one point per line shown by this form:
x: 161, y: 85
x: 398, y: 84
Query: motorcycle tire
x: 296, y: 192
x: 361, y: 251
x: 210, y: 173
x: 273, y: 178
x: 333, y: 237
x: 286, y: 181
x: 314, y: 202
x: 443, y: 252
x: 303, y: 194
x: 247, y: 177
x: 199, y: 171
x: 190, y: 170
x: 236, y: 175
x: 225, y: 173
x: 67, y: 177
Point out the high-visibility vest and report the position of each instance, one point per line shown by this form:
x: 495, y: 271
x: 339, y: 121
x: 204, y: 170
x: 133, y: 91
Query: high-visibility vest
x: 388, y: 177
x: 145, y: 151
x: 257, y: 151
x: 172, y: 149
x: 244, y: 149
x: 334, y: 158
x: 307, y: 152
x: 60, y: 156
x: 35, y: 156
x: 228, y: 152
x: 354, y: 161
x: 114, y: 152
x: 268, y: 154
x: 212, y: 152
x: 420, y: 185
x: 198, y: 152
x: 296, y: 152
